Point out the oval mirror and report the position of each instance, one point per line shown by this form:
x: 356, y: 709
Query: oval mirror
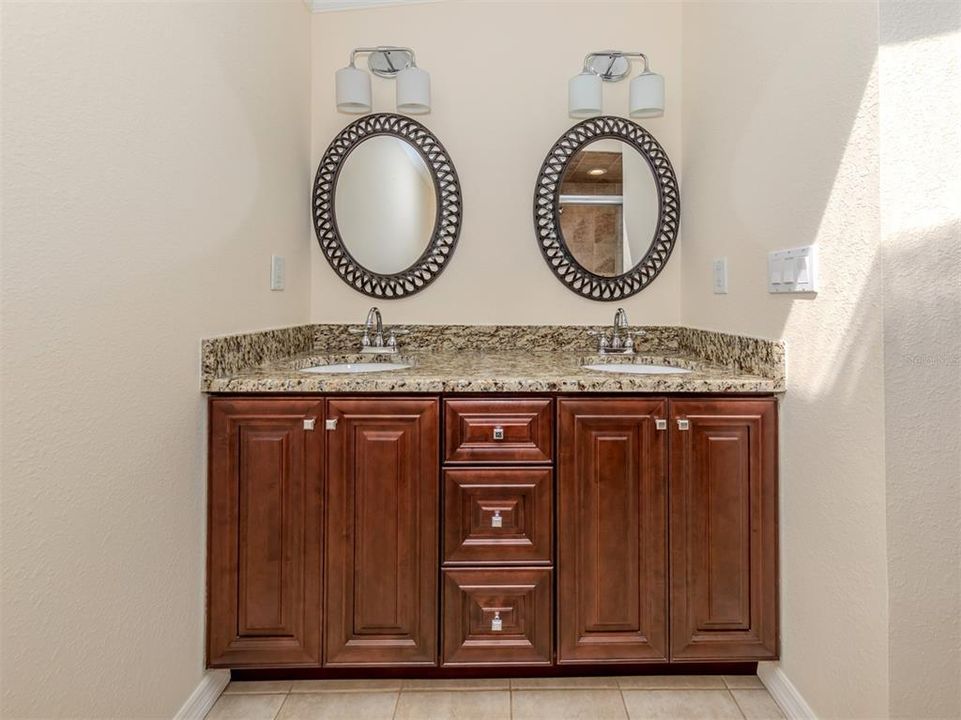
x: 387, y: 206
x: 606, y: 208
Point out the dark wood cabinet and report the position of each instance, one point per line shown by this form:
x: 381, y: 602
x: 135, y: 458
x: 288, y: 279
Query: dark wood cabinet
x: 264, y: 532
x: 497, y: 617
x: 356, y: 532
x: 723, y: 529
x: 383, y: 484
x: 612, y: 531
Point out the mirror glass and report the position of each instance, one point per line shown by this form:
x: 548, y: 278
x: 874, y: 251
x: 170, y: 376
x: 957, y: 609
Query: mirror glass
x: 385, y: 204
x: 608, y: 207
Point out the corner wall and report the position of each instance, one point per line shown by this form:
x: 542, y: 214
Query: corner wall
x: 920, y: 80
x: 154, y: 155
x: 780, y: 148
x: 499, y: 73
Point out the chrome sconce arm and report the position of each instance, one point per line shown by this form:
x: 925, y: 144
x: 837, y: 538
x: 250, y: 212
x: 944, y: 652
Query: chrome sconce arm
x: 381, y: 59
x: 618, y: 63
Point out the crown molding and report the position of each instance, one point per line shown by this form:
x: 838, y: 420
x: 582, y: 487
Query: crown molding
x: 319, y: 6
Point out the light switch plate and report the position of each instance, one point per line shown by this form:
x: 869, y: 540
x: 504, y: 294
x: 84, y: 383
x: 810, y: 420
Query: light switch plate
x: 720, y: 276
x: 793, y: 271
x: 277, y: 272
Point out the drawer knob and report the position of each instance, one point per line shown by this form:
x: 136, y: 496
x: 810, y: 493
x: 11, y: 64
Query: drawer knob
x: 497, y: 520
x: 498, y: 433
x: 497, y: 624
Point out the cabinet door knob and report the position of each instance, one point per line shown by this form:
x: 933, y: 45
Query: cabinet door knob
x: 496, y: 623
x: 498, y: 433
x: 660, y: 424
x: 683, y: 424
x: 331, y: 424
x: 309, y: 423
x: 497, y: 520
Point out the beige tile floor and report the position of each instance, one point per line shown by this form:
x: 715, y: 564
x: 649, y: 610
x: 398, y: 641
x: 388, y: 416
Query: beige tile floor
x: 687, y: 697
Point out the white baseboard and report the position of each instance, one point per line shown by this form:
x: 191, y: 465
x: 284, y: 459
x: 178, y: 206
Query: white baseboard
x: 784, y: 693
x: 204, y: 695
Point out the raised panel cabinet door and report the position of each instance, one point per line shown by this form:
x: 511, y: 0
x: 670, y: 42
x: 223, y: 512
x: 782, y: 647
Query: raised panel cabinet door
x: 612, y: 531
x: 264, y: 532
x: 383, y: 483
x: 724, y: 529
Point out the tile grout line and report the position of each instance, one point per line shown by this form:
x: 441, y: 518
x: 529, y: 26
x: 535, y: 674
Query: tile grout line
x: 393, y: 715
x: 620, y: 691
x: 736, y: 703
x: 279, y: 709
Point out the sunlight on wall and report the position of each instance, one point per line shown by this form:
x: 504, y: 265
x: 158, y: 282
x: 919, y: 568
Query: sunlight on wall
x: 920, y: 69
x: 786, y: 156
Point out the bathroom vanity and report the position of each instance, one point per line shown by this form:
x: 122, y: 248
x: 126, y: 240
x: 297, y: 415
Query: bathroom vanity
x: 491, y: 511
x: 456, y: 499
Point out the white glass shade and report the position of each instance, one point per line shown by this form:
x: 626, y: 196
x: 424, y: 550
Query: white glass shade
x: 584, y: 95
x: 353, y: 90
x: 647, y: 95
x: 413, y: 91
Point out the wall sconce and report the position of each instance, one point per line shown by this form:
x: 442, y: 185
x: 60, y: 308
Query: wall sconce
x: 585, y: 97
x: 387, y: 61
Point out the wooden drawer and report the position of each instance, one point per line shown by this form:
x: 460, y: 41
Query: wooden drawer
x: 497, y: 516
x: 497, y: 616
x: 495, y: 431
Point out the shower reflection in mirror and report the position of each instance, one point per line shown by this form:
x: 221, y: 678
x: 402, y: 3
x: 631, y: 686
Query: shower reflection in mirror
x: 608, y: 207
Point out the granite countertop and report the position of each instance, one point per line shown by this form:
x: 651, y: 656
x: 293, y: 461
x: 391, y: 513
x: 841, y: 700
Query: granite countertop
x: 241, y: 364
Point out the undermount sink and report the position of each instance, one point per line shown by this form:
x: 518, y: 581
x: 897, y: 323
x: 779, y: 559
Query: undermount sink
x: 636, y: 369
x: 352, y: 368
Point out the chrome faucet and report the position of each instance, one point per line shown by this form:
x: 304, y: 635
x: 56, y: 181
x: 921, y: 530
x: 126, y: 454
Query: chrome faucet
x: 621, y: 340
x: 374, y: 334
x: 376, y: 323
x: 620, y: 319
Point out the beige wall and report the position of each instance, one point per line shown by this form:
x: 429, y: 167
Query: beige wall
x: 499, y: 73
x: 920, y: 81
x: 154, y: 156
x: 780, y: 149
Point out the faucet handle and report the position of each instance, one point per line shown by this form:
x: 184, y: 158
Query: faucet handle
x: 602, y: 341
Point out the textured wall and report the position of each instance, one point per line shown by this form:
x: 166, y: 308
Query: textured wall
x: 499, y: 73
x: 781, y: 149
x: 154, y: 155
x: 920, y: 83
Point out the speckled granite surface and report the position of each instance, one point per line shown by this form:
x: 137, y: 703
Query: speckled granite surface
x: 754, y: 356
x: 229, y: 354
x: 447, y: 359
x: 658, y: 339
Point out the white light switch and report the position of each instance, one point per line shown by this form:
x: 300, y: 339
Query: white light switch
x: 720, y: 276
x: 792, y: 271
x: 277, y: 272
